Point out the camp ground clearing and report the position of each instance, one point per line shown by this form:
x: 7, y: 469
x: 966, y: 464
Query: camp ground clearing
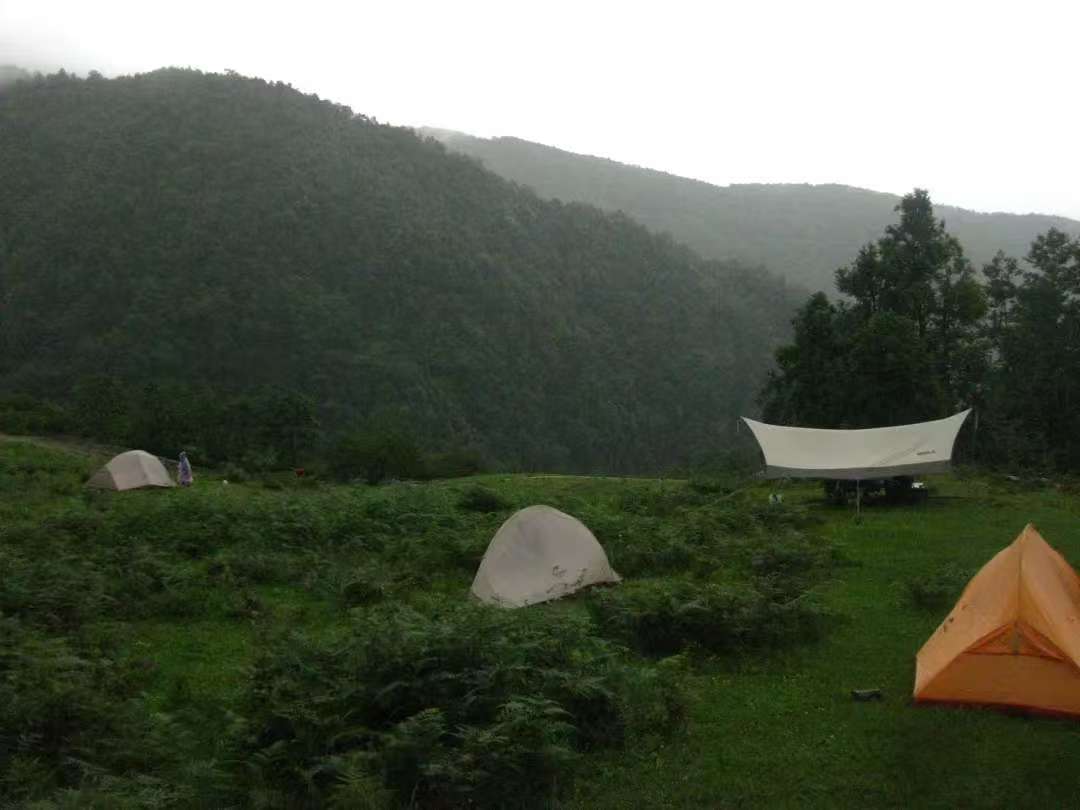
x: 785, y: 732
x: 764, y: 727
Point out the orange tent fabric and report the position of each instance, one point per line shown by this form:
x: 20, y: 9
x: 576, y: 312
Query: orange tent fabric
x: 1013, y: 639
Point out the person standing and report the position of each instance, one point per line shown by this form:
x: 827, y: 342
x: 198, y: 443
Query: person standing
x: 184, y: 474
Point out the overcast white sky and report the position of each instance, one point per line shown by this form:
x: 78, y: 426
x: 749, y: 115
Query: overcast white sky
x: 975, y: 101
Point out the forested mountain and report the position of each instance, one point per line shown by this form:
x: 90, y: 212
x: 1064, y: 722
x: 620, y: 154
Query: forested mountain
x: 802, y: 232
x: 232, y: 234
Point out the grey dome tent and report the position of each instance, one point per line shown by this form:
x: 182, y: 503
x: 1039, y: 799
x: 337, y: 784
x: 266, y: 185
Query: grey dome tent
x: 131, y: 470
x: 537, y: 555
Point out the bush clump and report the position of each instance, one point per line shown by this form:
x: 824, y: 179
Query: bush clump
x: 363, y: 586
x: 70, y: 717
x: 660, y: 618
x: 939, y: 589
x: 376, y: 455
x: 482, y: 499
x: 452, y: 464
x: 468, y: 705
x: 24, y: 414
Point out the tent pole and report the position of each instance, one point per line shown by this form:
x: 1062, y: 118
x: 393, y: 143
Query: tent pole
x: 858, y: 500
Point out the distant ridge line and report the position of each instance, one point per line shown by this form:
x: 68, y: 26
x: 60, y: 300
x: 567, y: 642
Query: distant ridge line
x: 802, y: 231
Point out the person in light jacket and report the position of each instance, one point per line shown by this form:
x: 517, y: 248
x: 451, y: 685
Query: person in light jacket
x: 184, y: 474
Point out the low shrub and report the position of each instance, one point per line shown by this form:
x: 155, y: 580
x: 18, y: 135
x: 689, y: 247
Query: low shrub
x: 717, y: 483
x: 363, y: 586
x: 939, y: 589
x: 465, y: 705
x: 52, y: 588
x: 527, y: 743
x: 658, y: 501
x: 454, y: 464
x: 651, y: 550
x: 234, y: 473
x: 22, y: 414
x: 146, y: 584
x: 790, y: 563
x: 789, y: 556
x: 67, y: 714
x: 28, y: 471
x: 75, y: 522
x: 660, y: 618
x: 377, y: 454
x: 253, y: 566
x: 482, y: 499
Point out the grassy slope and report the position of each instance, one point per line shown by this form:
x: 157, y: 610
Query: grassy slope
x: 778, y: 731
x: 211, y: 654
x: 786, y: 732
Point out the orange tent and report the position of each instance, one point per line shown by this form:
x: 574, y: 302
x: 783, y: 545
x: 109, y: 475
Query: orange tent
x: 1013, y: 639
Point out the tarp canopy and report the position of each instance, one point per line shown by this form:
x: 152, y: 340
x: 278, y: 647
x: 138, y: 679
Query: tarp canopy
x: 1012, y: 638
x: 537, y: 555
x: 795, y: 452
x: 131, y: 470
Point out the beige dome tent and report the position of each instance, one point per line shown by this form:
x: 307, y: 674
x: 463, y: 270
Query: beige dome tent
x: 1012, y: 638
x: 537, y: 555
x: 131, y: 470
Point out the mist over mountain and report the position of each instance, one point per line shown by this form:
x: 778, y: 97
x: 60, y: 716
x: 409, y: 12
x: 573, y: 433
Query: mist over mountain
x: 236, y: 234
x: 802, y: 232
x: 12, y: 73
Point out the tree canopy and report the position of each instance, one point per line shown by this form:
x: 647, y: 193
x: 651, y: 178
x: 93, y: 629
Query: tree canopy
x: 1033, y: 388
x: 922, y: 334
x: 903, y: 347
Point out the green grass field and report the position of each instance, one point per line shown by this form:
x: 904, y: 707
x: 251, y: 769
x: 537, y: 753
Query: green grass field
x: 210, y: 575
x: 784, y: 731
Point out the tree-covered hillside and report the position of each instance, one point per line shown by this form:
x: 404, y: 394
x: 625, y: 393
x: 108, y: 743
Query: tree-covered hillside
x: 237, y: 235
x: 801, y: 232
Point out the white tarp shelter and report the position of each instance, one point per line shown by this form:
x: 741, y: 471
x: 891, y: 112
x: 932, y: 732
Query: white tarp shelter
x: 131, y: 470
x: 857, y: 455
x: 537, y: 555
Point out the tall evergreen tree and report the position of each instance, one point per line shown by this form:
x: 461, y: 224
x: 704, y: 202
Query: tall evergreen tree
x: 905, y: 348
x: 803, y: 390
x: 1002, y: 274
x: 1036, y: 380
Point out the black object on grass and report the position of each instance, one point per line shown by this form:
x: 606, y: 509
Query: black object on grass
x: 866, y: 694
